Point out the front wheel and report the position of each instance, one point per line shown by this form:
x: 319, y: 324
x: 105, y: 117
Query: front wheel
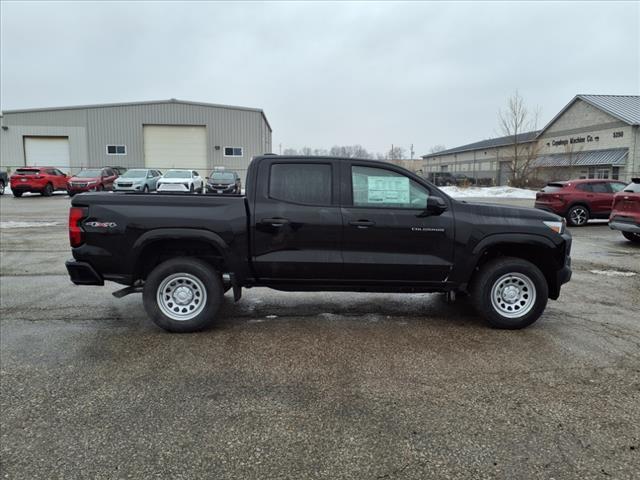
x: 183, y: 295
x: 632, y: 237
x: 145, y: 189
x: 578, y: 215
x: 510, y: 293
x: 48, y: 190
x: 1, y: 187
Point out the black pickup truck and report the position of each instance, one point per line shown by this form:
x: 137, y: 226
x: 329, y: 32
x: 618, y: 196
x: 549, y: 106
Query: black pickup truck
x: 318, y: 223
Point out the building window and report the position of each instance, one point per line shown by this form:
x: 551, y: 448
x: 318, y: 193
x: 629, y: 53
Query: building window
x: 232, y: 151
x: 116, y: 149
x: 444, y: 168
x: 598, y: 172
x: 615, y: 173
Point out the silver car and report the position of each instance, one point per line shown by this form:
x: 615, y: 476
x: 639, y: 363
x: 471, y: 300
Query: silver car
x: 137, y: 180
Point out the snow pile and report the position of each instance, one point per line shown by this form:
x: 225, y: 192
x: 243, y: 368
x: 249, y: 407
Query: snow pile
x: 12, y: 224
x: 613, y: 273
x: 489, y: 192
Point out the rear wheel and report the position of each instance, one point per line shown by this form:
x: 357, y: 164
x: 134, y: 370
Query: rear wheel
x: 145, y: 189
x: 100, y: 188
x: 183, y: 295
x: 632, y: 237
x: 1, y: 187
x: 578, y: 215
x: 17, y: 194
x: 510, y: 293
x: 48, y: 190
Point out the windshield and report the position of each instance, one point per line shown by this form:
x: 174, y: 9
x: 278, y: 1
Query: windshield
x: 136, y: 173
x: 222, y: 176
x: 178, y: 174
x: 88, y: 173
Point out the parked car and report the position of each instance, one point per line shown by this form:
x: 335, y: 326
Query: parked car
x: 91, y: 179
x: 318, y: 224
x: 42, y: 180
x: 579, y: 200
x: 223, y: 182
x: 442, y: 179
x: 4, y: 179
x: 119, y: 170
x: 625, y: 213
x: 137, y: 180
x: 181, y: 181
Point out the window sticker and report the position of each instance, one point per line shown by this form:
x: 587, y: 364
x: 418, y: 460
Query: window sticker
x: 388, y: 190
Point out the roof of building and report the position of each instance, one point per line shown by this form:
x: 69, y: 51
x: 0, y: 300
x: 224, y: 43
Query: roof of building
x: 623, y: 107
x: 490, y: 143
x: 149, y: 102
x: 613, y: 156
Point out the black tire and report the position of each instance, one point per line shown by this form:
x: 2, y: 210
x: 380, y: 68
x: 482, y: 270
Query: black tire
x: 191, y: 188
x: 578, y: 216
x: 1, y: 187
x: 499, y: 271
x: 100, y: 188
x: 71, y: 194
x: 632, y: 237
x: 145, y: 189
x: 209, y: 284
x: 17, y: 194
x: 48, y: 190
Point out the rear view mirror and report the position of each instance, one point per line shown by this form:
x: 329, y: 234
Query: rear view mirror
x: 435, y: 206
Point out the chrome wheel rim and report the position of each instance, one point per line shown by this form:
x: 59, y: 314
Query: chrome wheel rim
x: 579, y: 216
x: 181, y: 296
x: 513, y: 295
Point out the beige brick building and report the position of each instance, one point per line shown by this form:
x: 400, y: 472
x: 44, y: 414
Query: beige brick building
x: 594, y: 136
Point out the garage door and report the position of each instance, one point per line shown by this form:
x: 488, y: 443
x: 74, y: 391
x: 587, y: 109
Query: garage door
x: 168, y: 146
x: 46, y: 151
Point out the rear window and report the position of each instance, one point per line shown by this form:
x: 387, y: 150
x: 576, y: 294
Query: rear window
x: 633, y: 187
x: 28, y: 171
x: 553, y: 187
x: 306, y: 183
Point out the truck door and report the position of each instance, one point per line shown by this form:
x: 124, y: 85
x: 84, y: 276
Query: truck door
x: 296, y: 219
x: 388, y: 234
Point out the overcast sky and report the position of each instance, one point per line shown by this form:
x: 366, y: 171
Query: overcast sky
x: 369, y: 73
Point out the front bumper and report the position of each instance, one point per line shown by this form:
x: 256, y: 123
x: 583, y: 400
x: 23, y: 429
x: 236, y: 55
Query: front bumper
x: 81, y: 273
x: 133, y: 188
x: 221, y: 189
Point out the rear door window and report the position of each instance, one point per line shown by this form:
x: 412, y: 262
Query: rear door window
x: 304, y: 183
x: 585, y: 187
x: 600, y: 188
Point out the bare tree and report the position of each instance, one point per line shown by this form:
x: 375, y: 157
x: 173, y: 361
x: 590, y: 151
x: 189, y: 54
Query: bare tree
x: 290, y: 151
x: 396, y: 153
x: 516, y: 120
x: 437, y: 148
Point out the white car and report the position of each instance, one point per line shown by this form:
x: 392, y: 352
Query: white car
x: 180, y: 181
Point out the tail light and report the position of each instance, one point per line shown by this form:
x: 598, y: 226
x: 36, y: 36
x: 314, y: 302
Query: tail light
x: 76, y: 234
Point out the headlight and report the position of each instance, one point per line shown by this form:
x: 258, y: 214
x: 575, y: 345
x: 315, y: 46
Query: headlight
x: 558, y: 227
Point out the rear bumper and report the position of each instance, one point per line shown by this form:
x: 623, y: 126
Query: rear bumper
x: 81, y: 273
x: 624, y: 226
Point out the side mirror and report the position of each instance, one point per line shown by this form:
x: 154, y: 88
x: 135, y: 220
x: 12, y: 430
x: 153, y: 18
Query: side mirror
x: 206, y: 178
x: 435, y: 206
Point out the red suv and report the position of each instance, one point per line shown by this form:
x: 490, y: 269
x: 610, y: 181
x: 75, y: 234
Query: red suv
x: 579, y: 200
x: 625, y: 213
x: 91, y: 179
x: 42, y: 180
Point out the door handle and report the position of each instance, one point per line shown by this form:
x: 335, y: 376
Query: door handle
x: 275, y: 222
x: 362, y: 223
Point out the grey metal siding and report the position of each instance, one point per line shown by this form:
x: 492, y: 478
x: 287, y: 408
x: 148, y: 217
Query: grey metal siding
x: 91, y: 129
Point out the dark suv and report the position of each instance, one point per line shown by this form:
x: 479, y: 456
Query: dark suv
x: 223, y: 182
x: 579, y: 200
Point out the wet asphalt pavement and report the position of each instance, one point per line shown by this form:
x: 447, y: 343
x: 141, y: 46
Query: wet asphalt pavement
x: 313, y: 385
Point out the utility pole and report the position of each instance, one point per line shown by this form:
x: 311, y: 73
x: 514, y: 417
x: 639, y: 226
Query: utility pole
x: 391, y: 153
x: 411, y: 150
x: 280, y: 147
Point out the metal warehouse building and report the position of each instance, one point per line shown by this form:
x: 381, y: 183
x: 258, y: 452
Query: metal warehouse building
x: 160, y: 134
x: 593, y: 136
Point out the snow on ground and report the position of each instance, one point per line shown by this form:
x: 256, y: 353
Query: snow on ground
x: 13, y: 224
x: 613, y: 273
x: 489, y: 192
x: 7, y: 191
